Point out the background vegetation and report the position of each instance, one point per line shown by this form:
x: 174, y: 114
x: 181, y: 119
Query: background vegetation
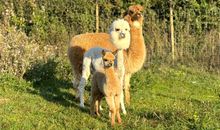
x: 52, y: 23
x: 35, y: 75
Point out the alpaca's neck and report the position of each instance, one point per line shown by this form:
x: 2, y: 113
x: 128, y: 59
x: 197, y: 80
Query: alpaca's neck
x: 136, y: 53
x: 110, y: 75
x: 120, y: 65
x: 120, y: 59
x: 137, y: 41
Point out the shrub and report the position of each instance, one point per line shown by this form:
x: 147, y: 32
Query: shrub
x: 51, y: 69
x: 18, y: 51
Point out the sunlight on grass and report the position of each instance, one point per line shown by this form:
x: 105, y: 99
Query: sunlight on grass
x: 163, y: 98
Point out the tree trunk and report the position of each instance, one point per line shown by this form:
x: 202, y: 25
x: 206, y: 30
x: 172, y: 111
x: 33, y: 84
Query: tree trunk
x: 172, y: 31
x: 97, y: 17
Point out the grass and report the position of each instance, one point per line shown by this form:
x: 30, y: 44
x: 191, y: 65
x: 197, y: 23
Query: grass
x: 162, y: 98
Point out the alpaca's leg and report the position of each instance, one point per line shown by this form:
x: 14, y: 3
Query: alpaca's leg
x: 100, y: 107
x: 75, y: 82
x: 111, y: 104
x: 122, y: 103
x: 117, y: 106
x: 99, y: 104
x: 127, y: 87
x: 97, y: 107
x: 94, y: 98
x: 84, y: 78
x: 92, y: 104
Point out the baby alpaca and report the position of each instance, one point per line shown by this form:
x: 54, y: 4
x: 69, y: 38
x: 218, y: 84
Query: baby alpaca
x: 106, y: 83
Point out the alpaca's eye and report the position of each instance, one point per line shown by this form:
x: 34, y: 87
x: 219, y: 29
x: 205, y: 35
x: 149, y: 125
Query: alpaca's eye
x: 105, y: 60
x: 126, y: 29
x: 117, y: 29
x: 131, y: 12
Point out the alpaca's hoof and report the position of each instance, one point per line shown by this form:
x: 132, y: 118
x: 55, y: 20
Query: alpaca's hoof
x: 112, y: 124
x: 100, y: 108
x: 77, y: 96
x: 92, y: 113
x: 119, y: 121
x: 124, y: 112
x: 75, y: 84
x: 98, y: 114
x: 82, y: 105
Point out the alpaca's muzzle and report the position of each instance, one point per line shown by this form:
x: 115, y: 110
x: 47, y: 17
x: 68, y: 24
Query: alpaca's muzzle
x: 121, y: 35
x: 136, y: 16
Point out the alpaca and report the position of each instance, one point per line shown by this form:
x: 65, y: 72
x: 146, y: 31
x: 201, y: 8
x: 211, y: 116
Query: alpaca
x: 106, y: 84
x: 134, y: 56
x: 120, y: 37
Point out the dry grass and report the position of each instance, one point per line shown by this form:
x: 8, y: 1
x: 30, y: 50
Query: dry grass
x: 4, y: 100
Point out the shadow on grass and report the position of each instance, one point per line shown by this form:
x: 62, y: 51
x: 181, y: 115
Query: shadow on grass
x: 44, y: 76
x: 50, y: 81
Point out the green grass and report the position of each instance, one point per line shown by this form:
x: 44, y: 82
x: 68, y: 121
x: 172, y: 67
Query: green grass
x: 162, y: 98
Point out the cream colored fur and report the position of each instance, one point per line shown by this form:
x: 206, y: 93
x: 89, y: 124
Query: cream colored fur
x: 106, y: 84
x: 134, y: 56
x: 92, y: 58
x: 120, y: 27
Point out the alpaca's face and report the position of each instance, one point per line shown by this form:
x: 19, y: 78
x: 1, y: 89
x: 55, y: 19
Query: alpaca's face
x: 120, y: 34
x: 134, y: 16
x: 108, y: 59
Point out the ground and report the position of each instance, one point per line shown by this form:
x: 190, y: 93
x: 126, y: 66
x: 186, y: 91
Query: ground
x: 162, y: 97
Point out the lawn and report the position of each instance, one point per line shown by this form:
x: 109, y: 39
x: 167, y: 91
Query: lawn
x: 161, y: 98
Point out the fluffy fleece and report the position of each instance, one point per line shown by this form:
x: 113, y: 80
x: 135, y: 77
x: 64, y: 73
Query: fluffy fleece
x: 106, y: 83
x: 134, y: 56
x: 120, y: 34
x: 120, y: 37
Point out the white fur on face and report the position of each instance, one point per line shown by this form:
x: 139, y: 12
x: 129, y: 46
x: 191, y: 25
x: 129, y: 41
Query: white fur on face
x: 119, y: 27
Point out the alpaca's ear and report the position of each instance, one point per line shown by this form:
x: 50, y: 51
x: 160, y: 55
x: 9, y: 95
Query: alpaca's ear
x: 141, y: 8
x: 103, y: 52
x: 125, y: 13
x: 111, y: 28
x: 114, y: 52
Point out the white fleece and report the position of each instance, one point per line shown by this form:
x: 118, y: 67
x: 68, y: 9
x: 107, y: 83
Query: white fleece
x: 92, y: 60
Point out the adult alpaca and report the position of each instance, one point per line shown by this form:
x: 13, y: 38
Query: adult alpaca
x: 92, y: 59
x: 134, y: 56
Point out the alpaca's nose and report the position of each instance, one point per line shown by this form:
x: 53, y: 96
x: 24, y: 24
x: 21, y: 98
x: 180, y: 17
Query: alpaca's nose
x: 121, y: 35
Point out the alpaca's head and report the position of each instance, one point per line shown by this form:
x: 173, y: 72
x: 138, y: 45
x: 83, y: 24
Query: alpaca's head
x: 120, y: 34
x: 108, y: 58
x: 134, y: 16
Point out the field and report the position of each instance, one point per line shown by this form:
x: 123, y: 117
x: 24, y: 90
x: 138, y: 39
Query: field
x: 162, y: 98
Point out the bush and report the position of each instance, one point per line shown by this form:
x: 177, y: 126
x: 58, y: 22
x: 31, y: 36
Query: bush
x: 18, y: 52
x: 52, y: 69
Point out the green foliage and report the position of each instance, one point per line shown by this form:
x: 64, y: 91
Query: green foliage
x: 162, y: 98
x: 48, y: 25
x: 10, y: 82
x: 52, y: 69
x: 19, y: 52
